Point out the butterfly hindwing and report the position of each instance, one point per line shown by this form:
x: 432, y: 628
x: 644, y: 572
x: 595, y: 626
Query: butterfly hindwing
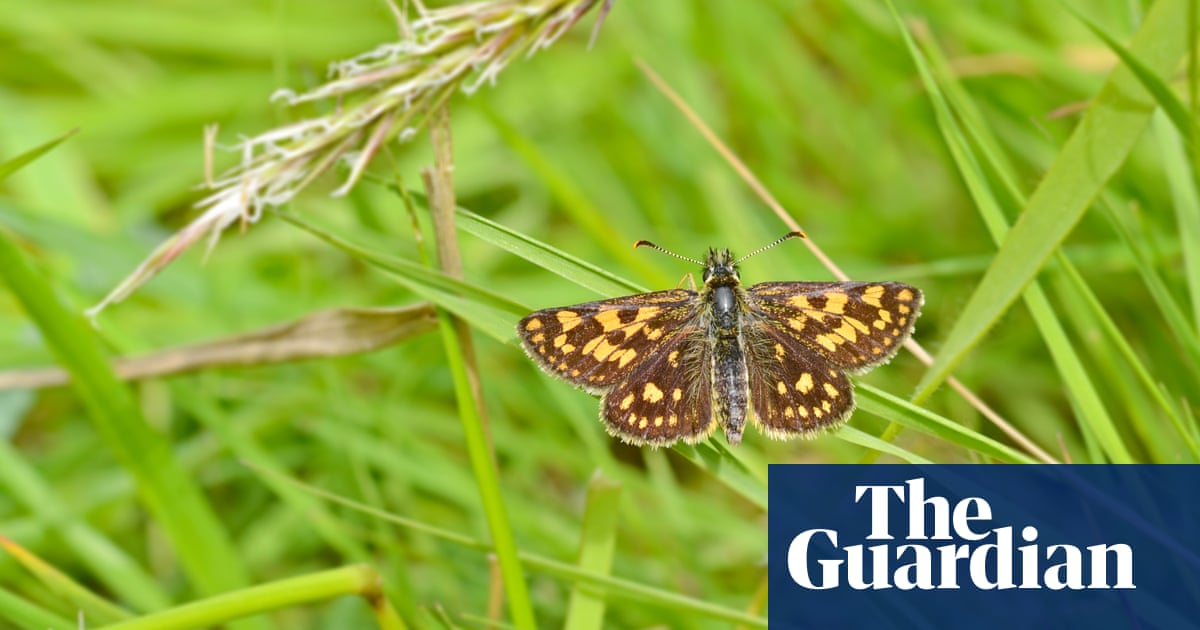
x: 667, y: 397
x: 597, y: 344
x: 853, y: 325
x: 793, y: 391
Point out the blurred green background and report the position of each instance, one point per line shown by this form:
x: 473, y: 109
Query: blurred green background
x: 575, y: 148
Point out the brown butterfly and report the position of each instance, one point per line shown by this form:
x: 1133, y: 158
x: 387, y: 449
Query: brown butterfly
x: 673, y: 365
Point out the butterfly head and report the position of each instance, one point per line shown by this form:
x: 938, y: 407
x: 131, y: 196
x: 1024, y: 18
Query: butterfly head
x: 720, y: 267
x: 720, y: 270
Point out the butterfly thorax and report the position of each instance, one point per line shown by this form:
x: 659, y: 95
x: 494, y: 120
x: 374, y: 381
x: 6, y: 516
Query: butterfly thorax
x: 722, y: 283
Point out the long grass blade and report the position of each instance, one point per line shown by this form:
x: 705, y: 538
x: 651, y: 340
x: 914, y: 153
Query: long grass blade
x: 1097, y: 147
x: 953, y: 100
x: 468, y: 389
x: 106, y: 561
x: 360, y: 580
x: 27, y: 613
x: 597, y: 544
x: 612, y: 587
x: 14, y: 164
x: 170, y: 493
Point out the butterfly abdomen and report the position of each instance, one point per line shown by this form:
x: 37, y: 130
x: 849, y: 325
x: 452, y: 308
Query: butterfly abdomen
x: 729, y: 378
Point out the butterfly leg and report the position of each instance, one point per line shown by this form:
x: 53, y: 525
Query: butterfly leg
x: 689, y: 279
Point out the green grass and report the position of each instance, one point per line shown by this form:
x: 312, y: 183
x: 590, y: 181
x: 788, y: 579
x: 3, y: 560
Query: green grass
x: 1046, y: 205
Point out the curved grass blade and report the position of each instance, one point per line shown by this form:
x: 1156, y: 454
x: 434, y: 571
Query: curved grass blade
x: 1095, y: 150
x: 1167, y: 100
x: 1092, y: 414
x: 72, y: 592
x: 716, y: 459
x: 463, y: 365
x: 891, y: 408
x: 106, y: 561
x: 1174, y: 315
x: 170, y: 493
x: 612, y: 587
x: 546, y: 256
x: 19, y: 610
x: 1184, y: 184
x: 866, y: 440
x: 537, y: 252
x: 361, y: 580
x: 597, y: 542
x: 12, y: 165
x: 490, y: 312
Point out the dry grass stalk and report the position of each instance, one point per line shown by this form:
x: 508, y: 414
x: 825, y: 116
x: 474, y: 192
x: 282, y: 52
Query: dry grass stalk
x: 383, y: 95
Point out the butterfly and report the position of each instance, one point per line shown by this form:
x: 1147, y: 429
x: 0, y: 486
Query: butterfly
x: 674, y: 365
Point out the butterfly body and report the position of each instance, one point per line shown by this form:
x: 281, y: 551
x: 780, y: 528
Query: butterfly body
x: 675, y: 365
x: 723, y: 294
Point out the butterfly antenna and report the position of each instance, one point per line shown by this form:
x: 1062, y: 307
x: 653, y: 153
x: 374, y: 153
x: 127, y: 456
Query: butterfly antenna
x: 786, y: 237
x: 666, y: 251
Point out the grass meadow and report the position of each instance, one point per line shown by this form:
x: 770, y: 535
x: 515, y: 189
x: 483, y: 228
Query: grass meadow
x: 325, y: 420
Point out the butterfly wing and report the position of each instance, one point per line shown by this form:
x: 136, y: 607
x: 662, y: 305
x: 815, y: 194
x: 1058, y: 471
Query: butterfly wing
x: 793, y: 391
x: 596, y: 345
x: 668, y: 396
x: 853, y: 325
x: 802, y: 337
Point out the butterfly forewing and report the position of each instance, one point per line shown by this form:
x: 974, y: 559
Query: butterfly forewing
x: 597, y: 344
x: 854, y: 325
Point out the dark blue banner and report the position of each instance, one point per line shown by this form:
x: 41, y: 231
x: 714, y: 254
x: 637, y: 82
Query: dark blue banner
x: 984, y: 546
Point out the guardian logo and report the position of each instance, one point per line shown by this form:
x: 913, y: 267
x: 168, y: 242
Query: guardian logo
x: 984, y: 546
x: 973, y: 551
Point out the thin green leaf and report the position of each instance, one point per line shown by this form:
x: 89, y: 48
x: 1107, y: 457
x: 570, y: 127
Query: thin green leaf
x: 240, y: 440
x: 1112, y: 353
x: 1090, y: 408
x: 1167, y: 100
x: 612, y: 587
x: 543, y: 255
x: 718, y: 460
x: 1095, y: 150
x: 615, y: 587
x: 10, y: 166
x: 71, y: 593
x: 169, y: 492
x: 597, y: 544
x: 861, y: 438
x: 106, y: 561
x: 1186, y: 198
x: 893, y: 409
x: 18, y: 610
x: 464, y: 371
x: 360, y: 580
x: 487, y: 311
x: 1177, y: 322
